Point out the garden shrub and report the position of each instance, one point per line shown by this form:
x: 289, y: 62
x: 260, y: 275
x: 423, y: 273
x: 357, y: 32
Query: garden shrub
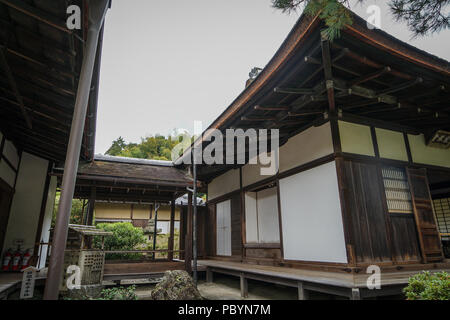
x: 125, y: 237
x: 120, y: 293
x: 428, y: 286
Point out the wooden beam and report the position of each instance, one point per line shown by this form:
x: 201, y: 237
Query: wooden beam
x: 305, y: 91
x: 368, y: 62
x: 258, y: 118
x: 303, y: 114
x: 274, y: 108
x: 13, y: 84
x: 400, y: 87
x: 327, y: 67
x: 38, y: 14
x: 370, y: 76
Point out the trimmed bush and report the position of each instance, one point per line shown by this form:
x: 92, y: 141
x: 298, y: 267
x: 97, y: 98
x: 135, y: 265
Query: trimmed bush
x: 125, y: 237
x: 428, y: 286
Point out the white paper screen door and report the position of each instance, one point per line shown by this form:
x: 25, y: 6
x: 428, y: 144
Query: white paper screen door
x: 223, y: 225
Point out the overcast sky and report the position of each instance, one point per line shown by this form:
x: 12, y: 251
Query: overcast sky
x: 168, y: 63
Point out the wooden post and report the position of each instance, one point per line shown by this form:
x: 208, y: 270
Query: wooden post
x: 355, y: 294
x: 172, y: 229
x: 209, y: 275
x: 188, y: 241
x: 244, y: 286
x: 96, y: 15
x: 302, y: 292
x: 91, y: 207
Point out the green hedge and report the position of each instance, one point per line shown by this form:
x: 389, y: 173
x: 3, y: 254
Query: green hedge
x: 428, y: 286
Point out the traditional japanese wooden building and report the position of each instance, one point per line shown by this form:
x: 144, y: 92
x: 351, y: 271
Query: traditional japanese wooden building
x: 364, y: 124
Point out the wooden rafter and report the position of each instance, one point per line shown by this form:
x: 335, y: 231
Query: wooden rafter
x: 38, y: 14
x: 370, y: 76
x: 271, y: 108
x: 13, y: 84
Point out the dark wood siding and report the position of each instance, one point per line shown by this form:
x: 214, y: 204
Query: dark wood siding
x: 405, y: 245
x: 210, y: 230
x: 236, y: 239
x: 365, y: 213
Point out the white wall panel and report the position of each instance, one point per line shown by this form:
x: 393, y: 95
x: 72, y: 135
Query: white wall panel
x: 311, y: 216
x: 226, y: 183
x: 251, y: 218
x: 309, y: 145
x: 268, y: 226
x: 26, y: 203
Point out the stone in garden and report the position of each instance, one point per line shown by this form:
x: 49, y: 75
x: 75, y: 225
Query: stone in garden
x: 176, y: 285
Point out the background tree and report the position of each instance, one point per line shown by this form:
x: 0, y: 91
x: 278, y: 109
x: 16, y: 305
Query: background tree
x: 421, y: 16
x: 117, y: 146
x: 156, y: 147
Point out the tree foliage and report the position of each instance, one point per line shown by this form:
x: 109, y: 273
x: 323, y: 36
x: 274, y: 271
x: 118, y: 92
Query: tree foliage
x: 153, y: 147
x: 76, y: 215
x: 421, y: 16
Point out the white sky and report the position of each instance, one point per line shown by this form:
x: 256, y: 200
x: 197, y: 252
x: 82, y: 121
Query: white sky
x: 168, y: 63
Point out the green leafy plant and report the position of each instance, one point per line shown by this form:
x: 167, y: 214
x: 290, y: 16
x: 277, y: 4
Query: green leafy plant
x: 428, y: 286
x: 119, y: 293
x: 125, y: 237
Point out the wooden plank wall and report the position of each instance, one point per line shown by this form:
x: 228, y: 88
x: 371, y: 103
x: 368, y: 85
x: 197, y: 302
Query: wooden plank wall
x: 366, y: 214
x: 376, y: 235
x: 236, y: 239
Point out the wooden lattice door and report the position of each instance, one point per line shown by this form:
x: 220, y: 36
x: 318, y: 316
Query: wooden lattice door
x: 429, y: 238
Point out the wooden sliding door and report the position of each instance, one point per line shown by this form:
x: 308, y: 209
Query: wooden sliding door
x: 223, y: 228
x: 429, y: 239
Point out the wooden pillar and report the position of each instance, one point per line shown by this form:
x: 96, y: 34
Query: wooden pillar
x: 355, y: 294
x: 91, y: 207
x: 302, y: 292
x: 172, y: 230
x: 244, y: 286
x: 188, y: 241
x: 209, y: 275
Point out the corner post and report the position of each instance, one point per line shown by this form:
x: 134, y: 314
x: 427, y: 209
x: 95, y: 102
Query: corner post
x: 97, y: 12
x: 188, y: 241
x: 172, y: 229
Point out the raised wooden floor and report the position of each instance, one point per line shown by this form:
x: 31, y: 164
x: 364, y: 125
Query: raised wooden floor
x: 351, y: 285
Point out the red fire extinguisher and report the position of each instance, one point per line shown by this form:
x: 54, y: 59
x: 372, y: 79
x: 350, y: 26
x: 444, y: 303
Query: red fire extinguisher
x: 7, y: 260
x: 26, y: 259
x: 16, y: 260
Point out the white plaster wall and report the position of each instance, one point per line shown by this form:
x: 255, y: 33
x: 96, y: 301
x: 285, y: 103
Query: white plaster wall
x: 268, y: 226
x: 309, y: 145
x: 226, y: 183
x: 311, y: 216
x: 26, y: 203
x: 421, y: 153
x: 252, y: 173
x: 46, y: 224
x: 251, y: 218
